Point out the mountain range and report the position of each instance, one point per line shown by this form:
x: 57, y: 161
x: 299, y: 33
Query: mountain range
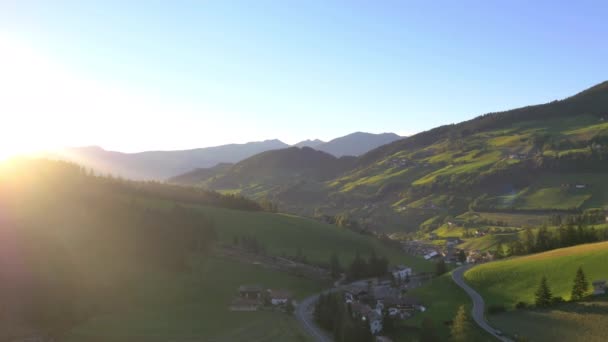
x: 160, y: 165
x: 549, y: 158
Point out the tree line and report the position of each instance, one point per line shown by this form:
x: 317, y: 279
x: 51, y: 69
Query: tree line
x: 333, y: 315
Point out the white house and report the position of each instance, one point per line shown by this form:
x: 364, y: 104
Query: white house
x: 375, y: 322
x: 401, y: 272
x: 431, y: 255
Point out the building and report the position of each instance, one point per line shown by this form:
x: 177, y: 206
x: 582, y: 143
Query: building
x: 599, y: 287
x: 250, y: 291
x: 375, y: 322
x: 279, y: 297
x: 360, y: 310
x: 401, y: 272
x: 452, y: 241
x: 431, y: 255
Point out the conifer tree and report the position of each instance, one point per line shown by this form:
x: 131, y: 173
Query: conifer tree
x: 580, y: 286
x: 543, y: 294
x: 461, y: 326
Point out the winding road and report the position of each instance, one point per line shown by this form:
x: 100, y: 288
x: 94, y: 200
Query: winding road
x: 478, y: 304
x: 303, y: 314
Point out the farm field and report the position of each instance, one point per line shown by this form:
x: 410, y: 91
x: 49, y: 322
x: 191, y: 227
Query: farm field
x: 512, y: 280
x: 488, y: 241
x: 195, y: 307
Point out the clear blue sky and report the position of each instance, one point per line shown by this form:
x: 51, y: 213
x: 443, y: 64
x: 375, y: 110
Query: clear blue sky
x: 202, y: 73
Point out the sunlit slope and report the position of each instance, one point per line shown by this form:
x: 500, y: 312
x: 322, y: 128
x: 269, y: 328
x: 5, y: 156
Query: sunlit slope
x: 537, y: 160
x: 510, y: 281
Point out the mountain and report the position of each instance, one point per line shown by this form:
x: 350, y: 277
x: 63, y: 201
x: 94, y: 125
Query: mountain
x: 293, y: 176
x: 160, y: 165
x: 310, y: 143
x: 356, y: 144
x: 199, y: 175
x: 541, y: 160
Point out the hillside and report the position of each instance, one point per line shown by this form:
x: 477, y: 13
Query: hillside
x: 540, y: 160
x: 160, y: 165
x: 199, y: 175
x: 293, y: 177
x: 510, y: 281
x: 86, y: 256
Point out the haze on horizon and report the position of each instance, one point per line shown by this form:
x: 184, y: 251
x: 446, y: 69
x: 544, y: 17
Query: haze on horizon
x: 179, y: 77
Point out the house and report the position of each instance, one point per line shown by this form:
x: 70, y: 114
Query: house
x: 599, y: 287
x: 452, y: 241
x: 360, y: 310
x: 279, y: 297
x: 244, y: 304
x: 384, y: 292
x: 401, y: 272
x: 402, y: 304
x: 355, y: 291
x: 431, y: 255
x: 250, y: 291
x: 375, y: 322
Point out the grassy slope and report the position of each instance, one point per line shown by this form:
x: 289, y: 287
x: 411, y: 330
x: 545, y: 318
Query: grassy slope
x: 513, y: 280
x: 516, y: 279
x: 582, y: 321
x: 442, y: 298
x: 284, y: 234
x: 194, y: 307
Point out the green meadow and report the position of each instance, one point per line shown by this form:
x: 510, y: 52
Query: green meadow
x: 512, y: 280
x: 186, y: 307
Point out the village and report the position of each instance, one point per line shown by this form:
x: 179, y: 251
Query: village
x: 369, y: 300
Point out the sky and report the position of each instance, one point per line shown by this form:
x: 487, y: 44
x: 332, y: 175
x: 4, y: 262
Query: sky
x: 163, y: 75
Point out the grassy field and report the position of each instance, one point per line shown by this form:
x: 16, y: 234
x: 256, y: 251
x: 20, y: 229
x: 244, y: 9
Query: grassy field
x: 511, y: 219
x: 283, y: 234
x: 582, y: 321
x: 169, y: 307
x: 488, y: 241
x: 513, y: 280
x: 442, y: 297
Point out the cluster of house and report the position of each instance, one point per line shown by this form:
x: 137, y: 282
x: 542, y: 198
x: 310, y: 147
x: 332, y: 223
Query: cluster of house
x: 371, y: 301
x: 399, y: 162
x: 476, y: 257
x: 576, y: 186
x: 519, y: 156
x: 252, y: 297
x: 420, y: 248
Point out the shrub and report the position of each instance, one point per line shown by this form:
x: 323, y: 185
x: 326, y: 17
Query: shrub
x: 521, y: 305
x: 496, y: 308
x: 557, y: 300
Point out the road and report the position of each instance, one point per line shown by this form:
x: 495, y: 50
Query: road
x: 478, y: 304
x: 303, y: 314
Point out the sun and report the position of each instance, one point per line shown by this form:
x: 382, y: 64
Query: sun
x: 27, y: 86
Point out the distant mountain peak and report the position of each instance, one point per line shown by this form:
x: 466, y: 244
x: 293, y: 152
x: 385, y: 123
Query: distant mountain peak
x: 310, y: 143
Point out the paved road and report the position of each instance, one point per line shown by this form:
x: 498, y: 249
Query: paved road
x: 303, y: 314
x: 478, y: 304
